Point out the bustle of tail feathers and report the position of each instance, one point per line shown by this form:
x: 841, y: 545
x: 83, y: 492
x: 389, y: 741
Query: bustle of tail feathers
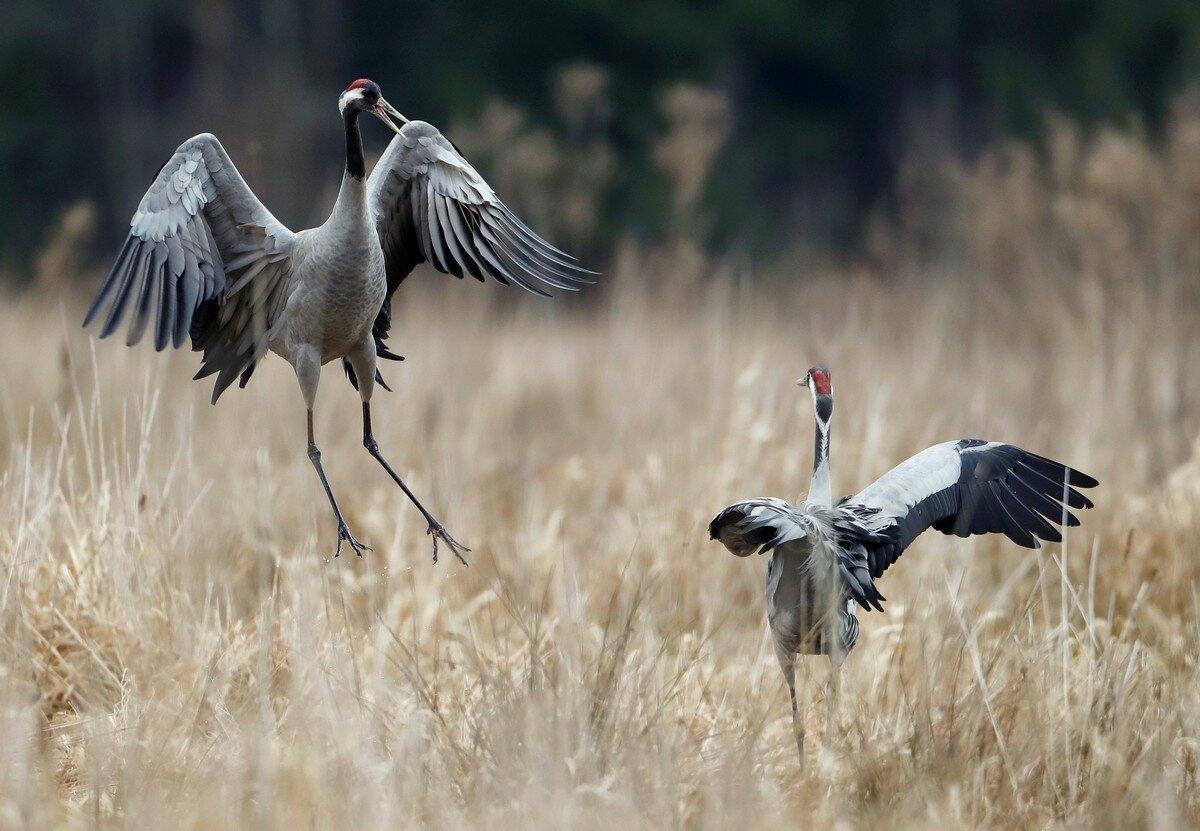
x: 353, y: 379
x: 381, y: 350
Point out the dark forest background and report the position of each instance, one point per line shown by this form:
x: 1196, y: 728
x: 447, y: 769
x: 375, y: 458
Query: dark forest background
x: 759, y: 123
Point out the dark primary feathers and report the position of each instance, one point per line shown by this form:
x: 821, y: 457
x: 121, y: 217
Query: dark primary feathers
x: 431, y: 206
x: 203, y: 258
x: 968, y: 487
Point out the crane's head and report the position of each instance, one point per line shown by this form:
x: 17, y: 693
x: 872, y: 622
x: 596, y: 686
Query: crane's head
x: 363, y: 96
x: 819, y: 381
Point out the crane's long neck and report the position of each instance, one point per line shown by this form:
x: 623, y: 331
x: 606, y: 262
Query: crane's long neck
x: 349, y: 219
x: 356, y: 166
x: 820, y: 491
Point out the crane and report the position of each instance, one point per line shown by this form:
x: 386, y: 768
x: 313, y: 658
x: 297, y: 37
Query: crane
x: 206, y: 261
x: 826, y: 557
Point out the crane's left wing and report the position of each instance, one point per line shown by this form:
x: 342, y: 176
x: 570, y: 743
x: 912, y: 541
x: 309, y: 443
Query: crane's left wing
x: 963, y: 488
x: 767, y: 523
x: 758, y: 525
x: 431, y: 206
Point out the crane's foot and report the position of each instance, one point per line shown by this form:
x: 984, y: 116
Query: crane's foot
x: 344, y: 535
x: 439, y: 532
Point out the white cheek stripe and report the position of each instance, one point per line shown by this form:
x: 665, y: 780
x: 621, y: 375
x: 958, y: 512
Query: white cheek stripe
x: 346, y: 97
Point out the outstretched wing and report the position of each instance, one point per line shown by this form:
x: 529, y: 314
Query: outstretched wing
x: 203, y: 257
x: 431, y: 206
x: 963, y: 488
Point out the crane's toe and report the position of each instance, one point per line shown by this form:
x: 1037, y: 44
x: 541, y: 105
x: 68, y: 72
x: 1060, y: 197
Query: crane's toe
x: 439, y: 532
x: 344, y: 536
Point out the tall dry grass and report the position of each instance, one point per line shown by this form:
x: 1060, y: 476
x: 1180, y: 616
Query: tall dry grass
x: 178, y: 649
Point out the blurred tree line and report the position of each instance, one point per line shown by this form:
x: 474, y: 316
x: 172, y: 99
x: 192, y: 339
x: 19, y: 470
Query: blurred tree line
x: 748, y: 121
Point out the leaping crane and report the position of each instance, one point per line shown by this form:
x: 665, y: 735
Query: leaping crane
x: 826, y: 557
x: 205, y: 259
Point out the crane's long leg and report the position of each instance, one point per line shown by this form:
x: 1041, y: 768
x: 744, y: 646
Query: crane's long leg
x: 837, y: 657
x: 797, y: 723
x: 840, y: 632
x: 831, y: 697
x: 787, y: 661
x: 344, y: 534
x: 436, y: 529
x: 306, y: 360
x: 363, y: 359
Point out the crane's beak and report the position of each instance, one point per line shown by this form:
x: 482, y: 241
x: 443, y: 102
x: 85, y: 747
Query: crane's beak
x: 383, y: 109
x: 803, y: 381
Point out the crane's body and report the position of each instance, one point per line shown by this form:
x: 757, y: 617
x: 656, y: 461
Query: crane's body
x: 338, y: 282
x: 206, y: 259
x: 806, y: 610
x: 825, y: 557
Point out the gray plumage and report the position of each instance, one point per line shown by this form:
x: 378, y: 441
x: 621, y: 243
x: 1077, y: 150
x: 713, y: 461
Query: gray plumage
x: 430, y: 205
x: 205, y: 259
x: 825, y: 557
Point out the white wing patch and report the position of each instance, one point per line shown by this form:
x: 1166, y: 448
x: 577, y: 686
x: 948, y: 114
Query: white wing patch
x: 933, y: 469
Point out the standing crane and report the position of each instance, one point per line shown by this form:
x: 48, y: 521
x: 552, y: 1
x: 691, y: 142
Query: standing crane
x: 826, y: 557
x: 205, y: 259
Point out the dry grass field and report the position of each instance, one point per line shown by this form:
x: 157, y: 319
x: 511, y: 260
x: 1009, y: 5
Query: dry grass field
x: 179, y: 650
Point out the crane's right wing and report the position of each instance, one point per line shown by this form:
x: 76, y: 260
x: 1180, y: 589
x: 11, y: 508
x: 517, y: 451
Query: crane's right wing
x: 205, y: 257
x: 432, y: 206
x: 963, y: 488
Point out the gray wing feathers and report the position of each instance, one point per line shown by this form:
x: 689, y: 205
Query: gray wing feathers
x: 431, y: 205
x: 204, y: 257
x: 758, y: 525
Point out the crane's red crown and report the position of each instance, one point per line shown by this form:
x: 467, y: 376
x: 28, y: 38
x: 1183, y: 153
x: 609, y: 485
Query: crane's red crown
x: 359, y: 84
x: 819, y: 378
